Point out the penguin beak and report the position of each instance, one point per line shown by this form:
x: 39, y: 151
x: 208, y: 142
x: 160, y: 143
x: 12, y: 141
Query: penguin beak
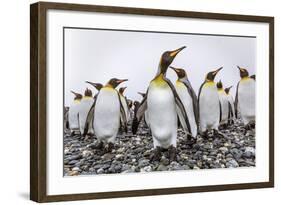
x: 142, y: 94
x: 216, y: 71
x: 121, y: 81
x: 93, y: 84
x: 76, y: 94
x: 229, y: 87
x: 96, y: 85
x: 239, y: 68
x: 175, y: 69
x: 175, y: 52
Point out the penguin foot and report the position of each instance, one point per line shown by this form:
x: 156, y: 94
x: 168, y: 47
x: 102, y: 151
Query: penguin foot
x: 109, y: 147
x: 190, y: 139
x: 156, y: 155
x: 72, y: 134
x: 204, y: 134
x: 98, y: 145
x: 172, y: 153
x: 218, y: 134
x: 249, y: 126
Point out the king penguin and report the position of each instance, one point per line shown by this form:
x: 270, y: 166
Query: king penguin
x: 84, y: 108
x: 188, y: 98
x: 224, y: 105
x: 163, y: 105
x: 124, y: 102
x: 107, y: 114
x: 245, y: 98
x: 74, y: 113
x: 209, y: 104
x: 231, y: 105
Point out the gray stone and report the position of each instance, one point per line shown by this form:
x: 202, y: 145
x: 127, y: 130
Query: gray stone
x: 162, y: 167
x: 232, y: 164
x: 249, y: 152
x: 100, y: 171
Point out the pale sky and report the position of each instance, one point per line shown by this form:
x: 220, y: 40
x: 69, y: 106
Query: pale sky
x: 98, y: 55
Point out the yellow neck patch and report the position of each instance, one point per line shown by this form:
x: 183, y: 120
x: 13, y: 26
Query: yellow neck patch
x: 179, y: 84
x: 108, y: 87
x: 246, y: 79
x: 77, y: 101
x: 209, y: 84
x: 87, y: 97
x: 159, y: 81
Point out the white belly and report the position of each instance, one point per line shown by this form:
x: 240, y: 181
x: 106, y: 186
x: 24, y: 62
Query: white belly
x: 85, y: 106
x: 209, y: 108
x: 162, y: 115
x: 73, y: 116
x: 188, y: 105
x: 246, y: 100
x: 107, y: 115
x: 224, y: 107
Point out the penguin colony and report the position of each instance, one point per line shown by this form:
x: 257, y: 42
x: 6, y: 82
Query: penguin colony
x: 165, y: 107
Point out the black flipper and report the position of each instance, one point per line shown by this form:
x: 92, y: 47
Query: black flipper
x: 236, y: 100
x: 199, y: 93
x: 139, y: 114
x: 220, y: 110
x: 179, y: 107
x: 194, y: 100
x: 230, y: 113
x: 123, y: 117
x: 90, y: 118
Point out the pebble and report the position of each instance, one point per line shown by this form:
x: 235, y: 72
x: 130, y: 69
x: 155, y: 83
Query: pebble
x: 231, y: 164
x: 249, y: 152
x: 162, y: 167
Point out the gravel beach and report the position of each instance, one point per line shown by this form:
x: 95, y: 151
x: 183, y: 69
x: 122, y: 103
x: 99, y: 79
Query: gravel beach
x: 236, y: 148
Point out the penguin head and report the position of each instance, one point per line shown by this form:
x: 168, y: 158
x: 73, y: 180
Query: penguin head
x: 142, y: 94
x: 167, y: 58
x: 88, y: 93
x: 219, y: 85
x: 114, y: 82
x: 243, y: 72
x: 121, y: 90
x: 98, y: 86
x: 77, y: 95
x: 211, y: 75
x: 227, y: 89
x: 180, y: 72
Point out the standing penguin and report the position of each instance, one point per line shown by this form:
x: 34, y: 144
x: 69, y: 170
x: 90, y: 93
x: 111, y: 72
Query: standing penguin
x: 245, y: 98
x: 224, y: 105
x: 106, y: 114
x: 209, y: 104
x: 85, y: 105
x: 124, y: 102
x: 73, y: 115
x: 163, y: 105
x: 188, y: 98
x: 231, y: 105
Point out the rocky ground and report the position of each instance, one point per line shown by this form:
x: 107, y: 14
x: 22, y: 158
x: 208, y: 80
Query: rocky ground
x: 236, y: 148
